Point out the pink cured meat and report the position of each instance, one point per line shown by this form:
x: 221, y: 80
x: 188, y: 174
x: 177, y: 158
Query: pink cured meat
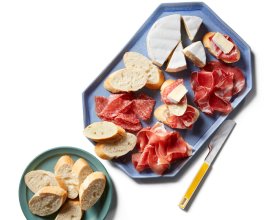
x: 186, y: 120
x: 143, y: 108
x: 125, y: 109
x: 215, y: 85
x: 169, y: 88
x: 158, y: 148
x: 101, y: 102
x: 239, y: 81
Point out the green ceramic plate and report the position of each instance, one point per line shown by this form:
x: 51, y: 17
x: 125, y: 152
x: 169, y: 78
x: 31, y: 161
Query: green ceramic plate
x: 46, y: 161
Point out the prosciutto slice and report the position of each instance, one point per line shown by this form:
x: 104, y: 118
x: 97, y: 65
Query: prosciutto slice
x: 215, y: 85
x: 158, y: 148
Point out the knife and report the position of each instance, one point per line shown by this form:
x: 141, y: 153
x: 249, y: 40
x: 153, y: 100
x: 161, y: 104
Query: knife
x: 214, y: 147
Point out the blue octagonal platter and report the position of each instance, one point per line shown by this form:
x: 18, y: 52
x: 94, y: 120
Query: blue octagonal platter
x: 206, y: 125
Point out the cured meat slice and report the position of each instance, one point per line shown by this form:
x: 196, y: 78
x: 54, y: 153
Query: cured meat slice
x: 158, y: 148
x: 101, y: 102
x: 125, y: 109
x: 114, y: 107
x: 185, y: 121
x: 239, y: 81
x: 215, y: 85
x: 143, y: 108
x: 165, y: 92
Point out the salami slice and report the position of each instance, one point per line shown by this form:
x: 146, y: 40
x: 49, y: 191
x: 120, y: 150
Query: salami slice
x: 143, y: 108
x: 101, y: 102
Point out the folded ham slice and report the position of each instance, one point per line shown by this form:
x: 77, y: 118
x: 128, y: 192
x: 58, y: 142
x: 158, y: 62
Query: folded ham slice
x: 215, y: 85
x: 158, y: 148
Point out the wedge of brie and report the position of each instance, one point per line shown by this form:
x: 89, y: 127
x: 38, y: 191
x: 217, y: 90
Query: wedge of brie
x: 163, y: 37
x: 222, y: 43
x: 196, y: 53
x: 192, y: 25
x: 177, y: 62
x: 177, y: 94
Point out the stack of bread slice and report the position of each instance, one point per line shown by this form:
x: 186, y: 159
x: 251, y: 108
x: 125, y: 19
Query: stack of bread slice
x: 112, y: 140
x: 70, y: 180
x: 139, y: 72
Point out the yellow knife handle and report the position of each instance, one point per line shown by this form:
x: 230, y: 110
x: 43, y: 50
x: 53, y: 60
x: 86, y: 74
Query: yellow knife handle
x: 193, y: 186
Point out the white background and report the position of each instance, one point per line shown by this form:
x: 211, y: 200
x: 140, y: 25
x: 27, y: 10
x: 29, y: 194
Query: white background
x: 50, y: 51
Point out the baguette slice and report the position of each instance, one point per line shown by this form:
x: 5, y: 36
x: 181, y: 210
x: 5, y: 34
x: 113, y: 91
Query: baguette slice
x: 162, y: 113
x: 82, y: 169
x: 104, y: 131
x: 92, y: 189
x: 37, y: 179
x: 71, y: 210
x: 47, y: 200
x: 109, y: 151
x: 207, y: 44
x: 126, y: 80
x: 63, y: 169
x: 138, y: 61
x: 196, y: 53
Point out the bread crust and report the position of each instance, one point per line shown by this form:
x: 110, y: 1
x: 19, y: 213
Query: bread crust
x: 37, y: 206
x: 120, y: 132
x: 81, y: 169
x: 206, y: 43
x: 92, y: 189
x: 123, y: 144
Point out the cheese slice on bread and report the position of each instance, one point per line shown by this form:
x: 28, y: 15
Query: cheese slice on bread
x: 177, y: 61
x: 196, y: 53
x: 177, y: 94
x: 192, y: 25
x: 163, y: 37
x: 222, y: 43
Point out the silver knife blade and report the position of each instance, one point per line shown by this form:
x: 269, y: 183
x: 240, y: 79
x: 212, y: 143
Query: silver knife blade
x: 219, y: 139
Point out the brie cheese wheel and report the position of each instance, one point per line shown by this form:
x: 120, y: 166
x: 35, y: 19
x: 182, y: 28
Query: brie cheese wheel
x: 177, y: 94
x: 177, y: 62
x: 192, y: 25
x: 177, y: 110
x: 196, y: 53
x: 163, y: 37
x: 222, y: 43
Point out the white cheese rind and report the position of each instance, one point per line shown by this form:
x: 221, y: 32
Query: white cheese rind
x: 192, y: 25
x: 177, y: 94
x: 222, y: 43
x: 197, y: 50
x: 177, y: 62
x: 163, y: 37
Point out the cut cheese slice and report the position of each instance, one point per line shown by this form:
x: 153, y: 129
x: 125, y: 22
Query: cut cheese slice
x: 177, y: 110
x: 163, y: 37
x: 177, y: 62
x: 196, y: 53
x: 192, y: 25
x: 222, y: 43
x: 177, y: 94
